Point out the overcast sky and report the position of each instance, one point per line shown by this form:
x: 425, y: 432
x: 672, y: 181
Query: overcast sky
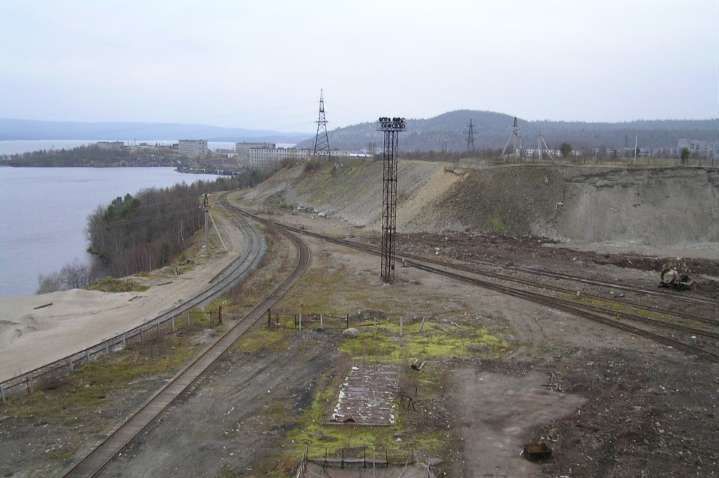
x: 261, y: 64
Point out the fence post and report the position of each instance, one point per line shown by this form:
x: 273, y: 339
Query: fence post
x: 173, y: 323
x: 28, y: 384
x: 322, y: 322
x: 269, y: 318
x: 158, y: 328
x: 219, y: 314
x: 348, y: 320
x: 188, y: 318
x: 300, y: 322
x: 107, y: 347
x: 2, y: 392
x: 400, y: 326
x: 124, y: 339
x: 87, y: 355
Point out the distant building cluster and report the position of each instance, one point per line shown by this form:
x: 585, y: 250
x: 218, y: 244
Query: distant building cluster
x: 253, y: 155
x: 193, y: 148
x: 698, y: 147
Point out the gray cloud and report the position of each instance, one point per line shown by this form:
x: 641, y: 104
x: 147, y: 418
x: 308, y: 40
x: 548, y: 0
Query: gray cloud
x: 261, y: 64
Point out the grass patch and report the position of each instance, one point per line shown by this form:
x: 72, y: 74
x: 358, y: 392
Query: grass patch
x: 496, y: 224
x: 89, y: 387
x: 316, y: 291
x: 112, y: 284
x: 321, y: 438
x: 261, y: 339
x: 383, y: 343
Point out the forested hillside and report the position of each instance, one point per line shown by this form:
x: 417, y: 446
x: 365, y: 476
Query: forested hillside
x: 449, y: 131
x: 94, y: 156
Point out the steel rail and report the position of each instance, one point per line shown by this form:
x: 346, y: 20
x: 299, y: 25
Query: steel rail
x: 219, y: 284
x: 527, y: 282
x: 571, y: 307
x: 92, y: 464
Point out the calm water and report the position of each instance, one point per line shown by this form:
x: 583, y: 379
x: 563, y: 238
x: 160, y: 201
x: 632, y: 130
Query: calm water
x: 43, y: 213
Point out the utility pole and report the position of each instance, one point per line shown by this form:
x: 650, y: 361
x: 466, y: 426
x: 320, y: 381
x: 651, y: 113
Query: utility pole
x: 206, y: 210
x: 322, y: 139
x: 470, y: 136
x: 636, y: 145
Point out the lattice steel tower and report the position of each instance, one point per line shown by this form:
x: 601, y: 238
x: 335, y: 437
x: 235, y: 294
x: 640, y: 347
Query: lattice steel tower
x: 516, y: 141
x: 322, y: 139
x: 391, y: 127
x: 470, y: 136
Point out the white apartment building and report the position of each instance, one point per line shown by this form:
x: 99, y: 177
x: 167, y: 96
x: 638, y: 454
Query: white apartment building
x: 267, y: 158
x: 192, y: 148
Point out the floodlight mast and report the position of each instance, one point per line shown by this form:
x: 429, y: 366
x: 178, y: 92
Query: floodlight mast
x: 391, y: 127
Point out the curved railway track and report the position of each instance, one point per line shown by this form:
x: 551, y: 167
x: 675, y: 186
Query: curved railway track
x: 93, y: 463
x: 595, y: 313
x: 564, y: 290
x: 220, y: 283
x: 584, y: 280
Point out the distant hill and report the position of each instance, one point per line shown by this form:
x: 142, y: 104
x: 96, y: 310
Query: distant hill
x: 14, y: 129
x: 449, y: 131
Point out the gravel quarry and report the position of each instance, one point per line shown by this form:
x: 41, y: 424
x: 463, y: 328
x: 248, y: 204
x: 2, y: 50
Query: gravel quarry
x: 470, y: 376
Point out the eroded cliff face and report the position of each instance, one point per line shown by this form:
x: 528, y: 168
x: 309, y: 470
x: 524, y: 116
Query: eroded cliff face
x: 657, y: 207
x: 664, y: 206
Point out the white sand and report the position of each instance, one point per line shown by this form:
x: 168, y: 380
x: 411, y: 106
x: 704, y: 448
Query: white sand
x: 78, y: 319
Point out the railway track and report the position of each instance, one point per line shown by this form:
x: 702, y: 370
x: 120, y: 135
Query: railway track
x: 595, y: 282
x: 246, y: 261
x: 609, y: 317
x: 93, y: 463
x: 564, y: 290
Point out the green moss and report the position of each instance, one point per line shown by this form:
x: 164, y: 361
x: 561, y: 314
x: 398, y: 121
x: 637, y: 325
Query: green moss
x: 319, y: 437
x: 383, y: 342
x: 111, y: 284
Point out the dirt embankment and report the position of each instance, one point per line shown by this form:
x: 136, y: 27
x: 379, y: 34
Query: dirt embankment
x: 581, y: 204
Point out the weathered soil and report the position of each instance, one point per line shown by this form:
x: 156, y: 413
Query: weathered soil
x: 532, y: 252
x: 608, y: 389
x: 229, y: 419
